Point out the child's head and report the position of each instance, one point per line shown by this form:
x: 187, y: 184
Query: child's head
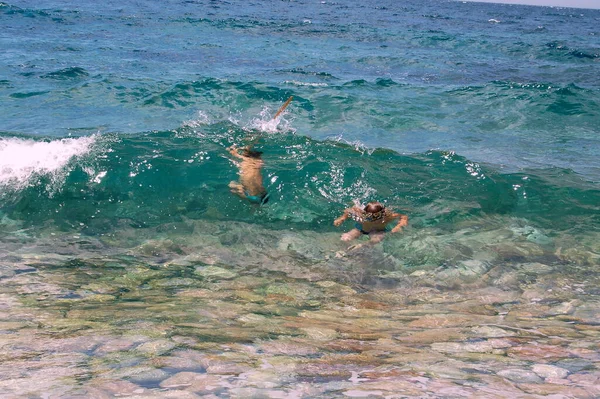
x: 252, y: 154
x: 374, y: 207
x: 374, y: 210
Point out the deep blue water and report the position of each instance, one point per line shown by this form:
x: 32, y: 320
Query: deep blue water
x: 127, y: 107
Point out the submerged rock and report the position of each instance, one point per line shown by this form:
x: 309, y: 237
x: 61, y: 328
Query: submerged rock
x: 473, y: 267
x: 587, y: 313
x: 451, y: 320
x: 492, y: 332
x: 161, y: 248
x: 145, y: 375
x: 215, y: 273
x: 557, y: 390
x: 484, y: 346
x: 192, y: 381
x: 157, y: 347
x: 118, y: 388
x: 320, y: 333
x: 578, y: 255
x: 519, y: 375
x: 537, y: 352
x: 549, y: 371
x: 117, y: 345
x: 431, y: 336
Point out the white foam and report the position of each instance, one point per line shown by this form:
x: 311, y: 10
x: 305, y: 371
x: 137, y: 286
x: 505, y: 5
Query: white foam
x: 311, y: 84
x: 22, y: 159
x: 266, y: 123
x: 201, y: 119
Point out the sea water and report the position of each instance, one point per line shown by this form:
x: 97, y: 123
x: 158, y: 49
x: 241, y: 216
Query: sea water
x: 128, y: 268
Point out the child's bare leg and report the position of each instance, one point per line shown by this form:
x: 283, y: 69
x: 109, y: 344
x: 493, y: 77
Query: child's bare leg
x: 351, y: 235
x: 376, y: 236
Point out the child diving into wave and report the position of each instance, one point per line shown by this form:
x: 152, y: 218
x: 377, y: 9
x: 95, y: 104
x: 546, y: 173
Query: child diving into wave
x: 371, y: 220
x: 250, y: 166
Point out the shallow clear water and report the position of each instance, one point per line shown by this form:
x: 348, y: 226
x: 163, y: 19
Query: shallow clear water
x: 128, y: 268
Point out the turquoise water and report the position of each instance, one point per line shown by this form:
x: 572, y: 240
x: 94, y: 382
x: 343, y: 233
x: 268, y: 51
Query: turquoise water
x: 127, y: 266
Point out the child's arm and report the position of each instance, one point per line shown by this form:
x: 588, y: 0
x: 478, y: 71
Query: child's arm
x: 234, y: 151
x: 344, y: 216
x: 402, y: 221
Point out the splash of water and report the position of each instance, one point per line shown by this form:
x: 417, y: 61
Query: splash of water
x: 267, y: 124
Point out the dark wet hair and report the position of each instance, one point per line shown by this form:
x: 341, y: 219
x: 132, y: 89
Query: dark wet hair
x: 252, y: 154
x: 374, y: 207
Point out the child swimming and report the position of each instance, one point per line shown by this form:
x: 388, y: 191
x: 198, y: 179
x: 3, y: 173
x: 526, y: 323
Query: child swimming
x: 371, y: 220
x: 250, y: 186
x: 250, y: 163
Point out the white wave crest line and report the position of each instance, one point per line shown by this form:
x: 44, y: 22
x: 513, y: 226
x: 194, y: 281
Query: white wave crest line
x: 299, y: 83
x: 21, y: 159
x: 357, y: 144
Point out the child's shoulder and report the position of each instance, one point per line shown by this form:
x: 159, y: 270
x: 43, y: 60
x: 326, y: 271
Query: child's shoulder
x: 356, y: 212
x: 389, y: 213
x: 392, y: 213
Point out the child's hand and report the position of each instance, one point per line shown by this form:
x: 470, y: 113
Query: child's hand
x: 397, y: 228
x: 233, y: 150
x: 403, y: 221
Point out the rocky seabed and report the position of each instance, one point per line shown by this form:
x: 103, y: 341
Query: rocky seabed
x: 243, y: 312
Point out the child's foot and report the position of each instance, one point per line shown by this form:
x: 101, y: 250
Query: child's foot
x: 351, y: 235
x: 376, y: 237
x: 347, y: 237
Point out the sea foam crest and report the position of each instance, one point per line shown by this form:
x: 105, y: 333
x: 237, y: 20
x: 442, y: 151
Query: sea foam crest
x: 22, y: 159
x: 310, y: 84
